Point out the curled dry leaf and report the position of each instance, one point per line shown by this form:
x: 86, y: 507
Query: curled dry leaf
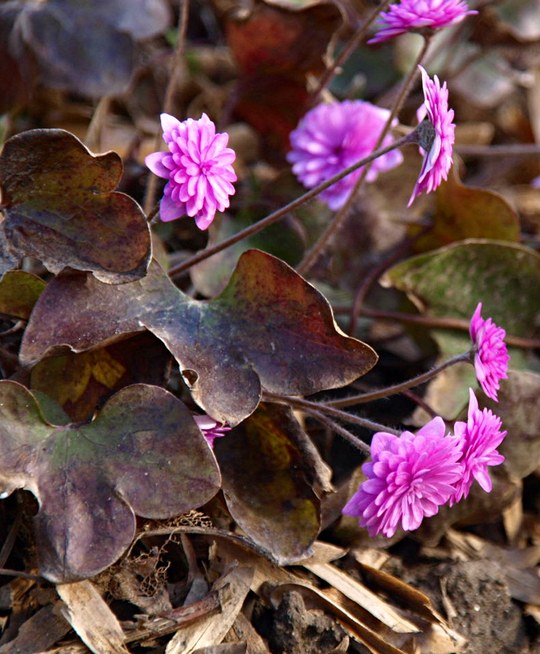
x: 269, y: 329
x: 61, y: 207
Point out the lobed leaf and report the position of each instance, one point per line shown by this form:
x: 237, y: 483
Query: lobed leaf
x: 268, y: 329
x: 452, y: 280
x: 61, y: 207
x: 143, y: 454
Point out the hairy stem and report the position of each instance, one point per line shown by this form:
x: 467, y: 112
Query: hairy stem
x: 280, y: 213
x: 362, y: 398
x: 313, y: 255
x: 327, y: 409
x: 347, y: 51
x: 338, y: 429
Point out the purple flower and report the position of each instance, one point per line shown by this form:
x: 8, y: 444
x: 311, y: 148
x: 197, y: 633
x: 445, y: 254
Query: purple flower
x: 331, y: 137
x: 210, y: 428
x: 198, y: 169
x: 478, y: 440
x: 418, y: 15
x: 408, y: 478
x: 436, y: 135
x: 490, y: 354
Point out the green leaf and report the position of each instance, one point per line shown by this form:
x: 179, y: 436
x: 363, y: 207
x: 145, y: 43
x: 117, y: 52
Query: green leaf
x: 451, y: 281
x: 267, y: 484
x: 19, y: 292
x: 269, y: 329
x: 143, y: 454
x: 61, y: 208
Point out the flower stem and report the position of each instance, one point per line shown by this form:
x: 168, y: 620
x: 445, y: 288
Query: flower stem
x: 327, y: 409
x: 338, y: 429
x: 291, y: 206
x: 362, y: 398
x: 347, y: 51
x: 313, y: 255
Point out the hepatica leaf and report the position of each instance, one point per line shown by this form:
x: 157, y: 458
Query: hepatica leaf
x: 61, y: 207
x: 452, y: 280
x: 268, y: 329
x: 143, y: 454
x: 266, y: 483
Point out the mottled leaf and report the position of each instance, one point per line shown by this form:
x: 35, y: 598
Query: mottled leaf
x: 61, y: 207
x: 284, y: 240
x: 463, y: 212
x: 452, y: 280
x: 267, y: 485
x: 268, y: 329
x: 143, y: 454
x: 19, y: 292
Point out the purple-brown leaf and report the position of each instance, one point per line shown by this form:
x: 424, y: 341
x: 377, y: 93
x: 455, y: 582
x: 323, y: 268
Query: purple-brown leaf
x: 143, y: 454
x: 269, y: 329
x: 61, y: 207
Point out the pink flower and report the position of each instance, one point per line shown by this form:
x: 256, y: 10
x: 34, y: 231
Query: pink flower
x: 331, y: 137
x: 418, y: 15
x: 210, y: 428
x: 490, y: 354
x: 409, y: 478
x: 436, y: 136
x: 478, y: 439
x: 198, y: 169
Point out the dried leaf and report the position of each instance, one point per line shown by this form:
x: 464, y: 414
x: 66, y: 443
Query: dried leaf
x: 464, y: 212
x: 233, y: 588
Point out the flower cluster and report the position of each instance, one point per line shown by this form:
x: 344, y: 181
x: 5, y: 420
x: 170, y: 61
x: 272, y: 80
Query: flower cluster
x: 332, y: 137
x: 436, y: 136
x: 410, y: 15
x: 410, y: 476
x: 198, y: 167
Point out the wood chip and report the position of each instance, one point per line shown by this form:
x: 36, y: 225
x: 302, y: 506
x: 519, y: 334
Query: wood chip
x: 89, y: 615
